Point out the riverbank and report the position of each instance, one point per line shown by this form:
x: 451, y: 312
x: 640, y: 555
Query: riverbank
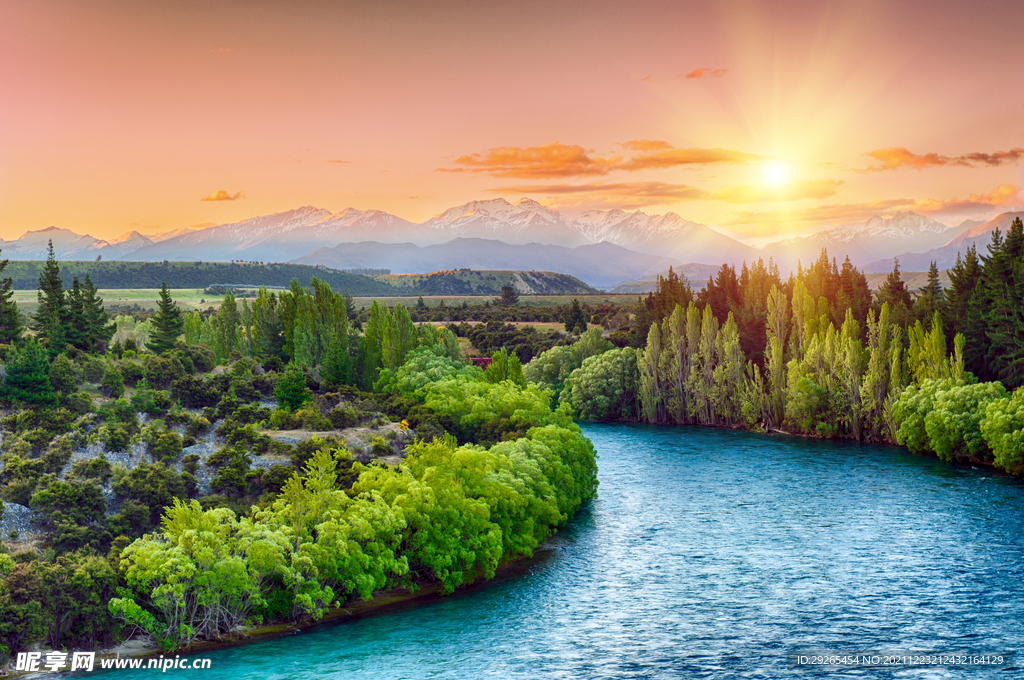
x: 386, y: 602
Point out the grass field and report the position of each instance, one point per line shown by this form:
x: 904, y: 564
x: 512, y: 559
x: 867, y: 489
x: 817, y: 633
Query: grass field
x: 524, y: 300
x: 187, y: 298
x: 194, y: 298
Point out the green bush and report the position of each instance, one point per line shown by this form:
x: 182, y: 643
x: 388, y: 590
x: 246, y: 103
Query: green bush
x: 164, y: 446
x: 195, y: 392
x: 132, y: 372
x: 113, y: 383
x: 63, y: 378
x: 203, y: 358
x: 93, y: 368
x: 291, y: 390
x: 343, y: 417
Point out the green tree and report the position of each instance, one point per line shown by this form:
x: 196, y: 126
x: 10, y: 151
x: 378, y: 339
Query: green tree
x: 27, y: 378
x: 290, y: 389
x: 575, y: 319
x: 509, y: 297
x: 52, y: 311
x: 98, y: 329
x: 10, y: 318
x: 167, y: 323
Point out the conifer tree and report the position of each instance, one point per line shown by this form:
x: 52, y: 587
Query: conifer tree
x: 52, y: 312
x: 930, y: 299
x: 27, y: 378
x: 894, y: 292
x: 10, y: 318
x: 575, y: 319
x: 98, y: 329
x: 167, y: 323
x: 75, y: 332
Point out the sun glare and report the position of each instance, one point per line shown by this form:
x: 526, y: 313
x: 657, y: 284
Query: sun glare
x: 776, y: 173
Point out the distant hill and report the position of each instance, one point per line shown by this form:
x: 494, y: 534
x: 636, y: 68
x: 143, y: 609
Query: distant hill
x: 195, y: 275
x: 979, y: 235
x: 599, y: 264
x: 470, y: 282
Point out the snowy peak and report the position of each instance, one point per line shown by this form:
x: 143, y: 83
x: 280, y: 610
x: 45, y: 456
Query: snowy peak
x: 903, y: 224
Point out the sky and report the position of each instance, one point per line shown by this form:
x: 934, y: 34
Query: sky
x: 763, y: 119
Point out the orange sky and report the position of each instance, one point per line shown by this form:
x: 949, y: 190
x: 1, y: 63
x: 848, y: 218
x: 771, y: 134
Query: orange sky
x: 760, y: 118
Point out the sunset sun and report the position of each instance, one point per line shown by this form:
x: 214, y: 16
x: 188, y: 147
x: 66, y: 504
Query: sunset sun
x: 776, y: 173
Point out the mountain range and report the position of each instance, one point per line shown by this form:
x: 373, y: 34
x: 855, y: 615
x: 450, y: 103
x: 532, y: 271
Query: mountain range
x: 496, y: 234
x: 978, y: 234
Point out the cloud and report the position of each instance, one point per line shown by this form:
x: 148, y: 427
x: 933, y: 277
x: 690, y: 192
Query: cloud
x: 1004, y: 195
x: 645, y: 145
x: 791, y: 191
x: 536, y: 162
x: 648, y: 78
x: 221, y: 195
x: 338, y: 161
x: 840, y: 212
x: 705, y: 72
x: 610, y: 194
x: 557, y: 160
x: 895, y: 157
x: 668, y: 158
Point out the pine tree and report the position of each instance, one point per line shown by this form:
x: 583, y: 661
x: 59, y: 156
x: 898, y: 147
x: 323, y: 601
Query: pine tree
x: 575, y: 319
x: 97, y: 323
x: 27, y: 378
x: 894, y: 292
x: 75, y: 332
x: 10, y: 318
x: 167, y: 323
x: 930, y: 300
x: 52, y: 312
x: 509, y: 297
x: 334, y: 366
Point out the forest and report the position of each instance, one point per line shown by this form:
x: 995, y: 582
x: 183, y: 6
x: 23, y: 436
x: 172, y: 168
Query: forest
x: 817, y: 354
x: 263, y: 464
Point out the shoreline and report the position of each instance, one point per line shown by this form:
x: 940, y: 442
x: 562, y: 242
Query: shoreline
x: 382, y: 603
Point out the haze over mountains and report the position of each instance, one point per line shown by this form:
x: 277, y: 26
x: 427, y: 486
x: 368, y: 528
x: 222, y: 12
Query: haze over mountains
x: 601, y: 247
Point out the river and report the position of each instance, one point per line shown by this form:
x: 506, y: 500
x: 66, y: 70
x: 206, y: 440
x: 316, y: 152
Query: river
x: 713, y: 553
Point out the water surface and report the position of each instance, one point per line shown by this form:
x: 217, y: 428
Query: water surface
x: 712, y: 553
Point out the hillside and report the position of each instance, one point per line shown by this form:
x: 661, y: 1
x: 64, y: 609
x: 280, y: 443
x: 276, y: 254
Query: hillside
x: 696, y: 274
x: 123, y: 275
x: 470, y: 282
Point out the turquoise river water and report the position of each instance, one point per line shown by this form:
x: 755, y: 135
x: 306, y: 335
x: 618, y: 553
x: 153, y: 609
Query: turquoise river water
x: 713, y: 553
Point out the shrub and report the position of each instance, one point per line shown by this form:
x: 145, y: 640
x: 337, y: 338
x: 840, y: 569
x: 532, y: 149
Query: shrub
x: 63, y: 378
x: 97, y: 468
x: 163, y: 445
x: 291, y: 390
x: 79, y: 403
x: 113, y: 383
x: 115, y: 437
x: 190, y: 463
x: 132, y: 372
x: 343, y: 417
x: 381, y: 447
x: 203, y: 358
x: 161, y: 371
x: 194, y: 392
x: 93, y: 368
x: 311, y: 418
x: 283, y: 419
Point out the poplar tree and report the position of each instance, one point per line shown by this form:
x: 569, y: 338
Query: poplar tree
x: 167, y: 323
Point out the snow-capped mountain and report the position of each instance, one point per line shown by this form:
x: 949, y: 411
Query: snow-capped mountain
x: 280, y: 237
x: 878, y: 237
x: 968, y: 233
x: 526, y: 221
x: 121, y: 246
x: 292, y: 234
x: 34, y: 245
